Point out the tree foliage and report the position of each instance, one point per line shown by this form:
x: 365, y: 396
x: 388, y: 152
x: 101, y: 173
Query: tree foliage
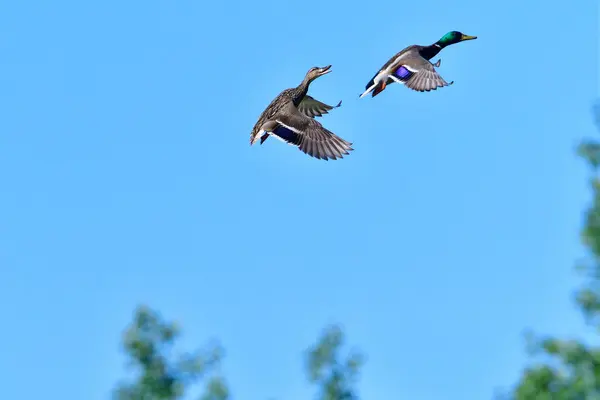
x: 573, y: 369
x: 159, y: 375
x: 335, y: 378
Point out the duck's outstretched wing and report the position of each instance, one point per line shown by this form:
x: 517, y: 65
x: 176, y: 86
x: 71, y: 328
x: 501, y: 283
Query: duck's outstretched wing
x: 419, y: 74
x: 309, y: 135
x: 314, y: 108
x: 382, y: 78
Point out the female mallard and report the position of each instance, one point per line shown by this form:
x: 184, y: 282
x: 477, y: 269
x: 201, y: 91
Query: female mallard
x: 412, y: 67
x: 290, y: 118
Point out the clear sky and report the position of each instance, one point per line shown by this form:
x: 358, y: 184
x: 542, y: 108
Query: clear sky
x: 127, y: 177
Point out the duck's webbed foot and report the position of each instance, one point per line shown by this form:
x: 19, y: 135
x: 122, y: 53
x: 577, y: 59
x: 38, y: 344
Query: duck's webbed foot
x: 438, y: 63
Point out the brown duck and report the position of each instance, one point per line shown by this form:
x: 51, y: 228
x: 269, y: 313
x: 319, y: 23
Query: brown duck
x: 291, y: 118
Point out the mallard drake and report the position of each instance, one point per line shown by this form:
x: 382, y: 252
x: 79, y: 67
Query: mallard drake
x: 291, y: 118
x: 412, y: 67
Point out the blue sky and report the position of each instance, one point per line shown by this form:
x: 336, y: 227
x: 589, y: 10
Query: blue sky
x: 127, y: 178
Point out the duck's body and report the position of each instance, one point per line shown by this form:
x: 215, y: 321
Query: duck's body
x: 290, y: 118
x: 411, y: 67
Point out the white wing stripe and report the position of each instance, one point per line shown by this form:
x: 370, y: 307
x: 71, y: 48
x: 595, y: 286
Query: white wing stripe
x: 283, y: 140
x: 289, y: 127
x: 396, y: 61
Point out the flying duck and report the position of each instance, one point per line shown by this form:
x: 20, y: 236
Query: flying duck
x: 411, y: 67
x: 291, y: 118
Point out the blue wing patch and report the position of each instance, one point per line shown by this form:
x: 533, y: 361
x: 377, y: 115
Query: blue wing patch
x: 286, y: 134
x: 403, y: 73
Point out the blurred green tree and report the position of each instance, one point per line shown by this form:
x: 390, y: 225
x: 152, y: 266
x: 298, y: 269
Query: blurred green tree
x: 571, y: 370
x: 148, y: 343
x: 335, y: 378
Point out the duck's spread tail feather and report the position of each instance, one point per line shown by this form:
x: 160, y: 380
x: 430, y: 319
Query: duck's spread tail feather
x: 366, y: 92
x: 374, y: 88
x: 255, y: 137
x: 369, y: 87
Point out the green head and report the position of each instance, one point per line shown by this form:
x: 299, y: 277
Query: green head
x: 454, y: 37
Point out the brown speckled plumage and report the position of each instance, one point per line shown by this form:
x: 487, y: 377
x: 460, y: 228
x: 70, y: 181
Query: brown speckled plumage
x: 290, y: 118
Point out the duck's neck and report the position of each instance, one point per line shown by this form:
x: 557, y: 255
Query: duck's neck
x: 428, y: 52
x: 301, y: 91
